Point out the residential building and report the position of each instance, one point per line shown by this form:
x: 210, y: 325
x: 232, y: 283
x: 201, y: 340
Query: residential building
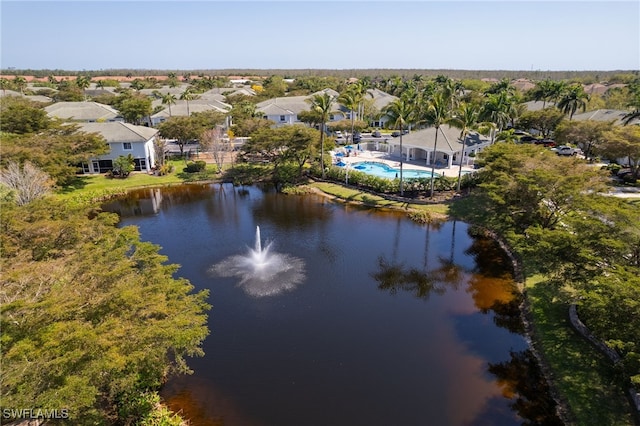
x: 85, y: 112
x: 123, y: 139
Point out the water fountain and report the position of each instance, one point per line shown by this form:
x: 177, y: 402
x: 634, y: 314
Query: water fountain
x: 261, y: 271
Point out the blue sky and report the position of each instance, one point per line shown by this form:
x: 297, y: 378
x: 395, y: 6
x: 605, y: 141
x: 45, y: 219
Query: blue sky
x: 183, y: 35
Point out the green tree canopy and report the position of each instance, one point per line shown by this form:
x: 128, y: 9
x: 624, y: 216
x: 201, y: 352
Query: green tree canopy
x: 133, y: 107
x: 623, y: 142
x: 544, y: 121
x: 530, y: 186
x: 57, y: 151
x: 20, y: 115
x: 91, y: 316
x: 182, y: 129
x: 587, y: 134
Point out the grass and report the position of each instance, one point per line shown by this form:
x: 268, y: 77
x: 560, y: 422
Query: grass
x: 368, y: 199
x: 583, y: 377
x: 90, y: 188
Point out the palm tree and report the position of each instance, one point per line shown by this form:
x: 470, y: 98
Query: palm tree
x: 188, y: 95
x: 83, y: 82
x: 437, y: 113
x: 350, y: 99
x: 400, y: 112
x: 573, y: 98
x: 322, y: 104
x: 498, y: 110
x: 4, y: 85
x: 169, y: 99
x: 466, y: 119
x: 544, y: 91
x: 21, y: 83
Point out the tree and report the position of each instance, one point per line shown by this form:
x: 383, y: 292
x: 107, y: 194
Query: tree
x: 212, y: 141
x: 497, y: 109
x: 587, y: 134
x: 274, y: 86
x: 182, y: 129
x: 21, y: 115
x: 21, y: 83
x: 544, y: 121
x: 544, y: 91
x: 530, y: 186
x: 436, y: 114
x: 4, y: 85
x: 28, y: 183
x: 300, y: 146
x: 466, y: 119
x: 623, y: 142
x: 134, y: 108
x: 188, y: 95
x: 169, y: 99
x: 83, y: 82
x: 58, y: 150
x: 123, y: 166
x: 573, y: 98
x: 401, y: 113
x: 351, y: 100
x: 92, y: 318
x: 248, y: 126
x: 311, y: 118
x: 323, y: 104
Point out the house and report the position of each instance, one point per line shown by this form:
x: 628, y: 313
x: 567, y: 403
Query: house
x: 216, y: 92
x: 87, y: 112
x: 284, y: 110
x: 418, y: 146
x: 612, y: 115
x: 123, y: 139
x: 380, y: 101
x: 35, y: 98
x: 184, y: 108
x: 538, y: 105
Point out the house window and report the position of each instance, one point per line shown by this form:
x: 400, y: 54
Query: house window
x: 331, y: 117
x: 282, y: 118
x: 126, y: 146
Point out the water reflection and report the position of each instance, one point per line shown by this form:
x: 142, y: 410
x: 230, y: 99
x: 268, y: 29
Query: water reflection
x: 522, y: 382
x: 519, y: 378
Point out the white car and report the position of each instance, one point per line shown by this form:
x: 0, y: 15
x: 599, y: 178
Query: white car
x: 567, y: 150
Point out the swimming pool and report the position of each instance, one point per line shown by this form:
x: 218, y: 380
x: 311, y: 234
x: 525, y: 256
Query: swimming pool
x: 386, y: 171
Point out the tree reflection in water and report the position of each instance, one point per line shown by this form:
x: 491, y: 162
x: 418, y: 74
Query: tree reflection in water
x: 394, y: 276
x: 521, y: 380
x: 492, y: 290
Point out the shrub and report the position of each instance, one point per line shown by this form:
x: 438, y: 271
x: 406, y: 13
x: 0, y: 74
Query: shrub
x: 195, y: 166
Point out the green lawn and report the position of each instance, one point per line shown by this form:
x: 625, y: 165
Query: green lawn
x: 91, y: 188
x: 349, y: 194
x: 585, y: 379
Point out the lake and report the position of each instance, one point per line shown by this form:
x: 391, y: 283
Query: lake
x: 373, y: 319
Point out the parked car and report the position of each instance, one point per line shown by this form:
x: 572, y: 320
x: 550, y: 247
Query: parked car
x: 376, y: 134
x: 395, y: 133
x: 545, y: 142
x: 527, y: 139
x: 357, y: 137
x: 567, y: 150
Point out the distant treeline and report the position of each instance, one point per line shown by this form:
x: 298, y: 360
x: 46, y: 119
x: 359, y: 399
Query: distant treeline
x: 594, y: 75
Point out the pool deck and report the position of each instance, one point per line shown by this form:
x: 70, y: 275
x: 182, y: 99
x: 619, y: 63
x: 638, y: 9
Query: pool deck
x: 393, y: 161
